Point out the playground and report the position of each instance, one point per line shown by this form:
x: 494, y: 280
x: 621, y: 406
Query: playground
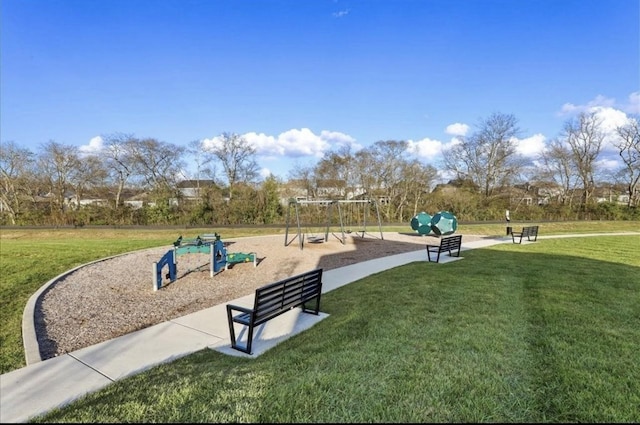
x: 166, y: 269
x: 114, y: 297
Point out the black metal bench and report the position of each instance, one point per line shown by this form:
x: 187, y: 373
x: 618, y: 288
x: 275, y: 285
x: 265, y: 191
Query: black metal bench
x: 528, y: 232
x: 447, y: 244
x: 275, y: 299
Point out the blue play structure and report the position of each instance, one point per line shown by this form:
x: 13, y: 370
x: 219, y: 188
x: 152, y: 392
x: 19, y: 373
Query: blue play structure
x: 207, y: 244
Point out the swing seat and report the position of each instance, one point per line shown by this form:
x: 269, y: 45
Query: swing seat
x: 316, y: 239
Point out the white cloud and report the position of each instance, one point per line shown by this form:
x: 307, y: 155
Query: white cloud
x: 610, y: 118
x: 457, y: 129
x: 297, y: 143
x: 214, y: 142
x: 531, y: 146
x: 608, y: 164
x: 265, y: 172
x: 96, y: 145
x: 445, y: 176
x: 265, y: 145
x: 633, y: 107
x: 335, y: 137
x: 599, y: 101
x: 609, y: 112
x: 341, y: 13
x: 294, y: 143
x: 303, y: 142
x: 425, y: 148
x: 454, y: 141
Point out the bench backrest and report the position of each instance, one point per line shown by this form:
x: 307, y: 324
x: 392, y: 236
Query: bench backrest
x: 530, y: 231
x: 450, y: 242
x: 273, y: 299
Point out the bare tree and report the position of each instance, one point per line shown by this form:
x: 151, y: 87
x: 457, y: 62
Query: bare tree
x: 237, y: 157
x: 159, y: 163
x: 628, y: 145
x: 91, y: 173
x: 303, y: 177
x: 584, y: 137
x: 364, y: 175
x: 58, y: 164
x: 558, y: 167
x: 488, y: 157
x: 380, y: 168
x: 337, y: 166
x: 120, y: 160
x: 417, y: 181
x: 16, y: 176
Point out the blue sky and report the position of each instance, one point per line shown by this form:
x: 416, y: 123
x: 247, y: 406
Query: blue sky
x: 299, y: 77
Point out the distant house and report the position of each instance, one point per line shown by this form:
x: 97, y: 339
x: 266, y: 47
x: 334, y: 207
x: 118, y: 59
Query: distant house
x: 193, y: 189
x: 294, y: 189
x: 322, y: 189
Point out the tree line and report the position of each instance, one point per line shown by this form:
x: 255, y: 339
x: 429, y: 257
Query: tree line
x: 484, y: 173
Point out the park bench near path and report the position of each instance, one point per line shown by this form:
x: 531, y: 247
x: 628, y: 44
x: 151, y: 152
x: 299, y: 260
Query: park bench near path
x: 448, y: 244
x: 273, y: 300
x: 528, y: 232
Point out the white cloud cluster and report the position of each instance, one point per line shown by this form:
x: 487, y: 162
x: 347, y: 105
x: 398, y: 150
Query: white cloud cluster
x: 599, y: 101
x: 611, y: 115
x: 297, y: 143
x: 633, y: 107
x: 291, y: 144
x: 457, y: 129
x: 426, y: 148
x: 431, y: 150
x: 532, y: 146
x: 341, y: 13
x: 95, y: 146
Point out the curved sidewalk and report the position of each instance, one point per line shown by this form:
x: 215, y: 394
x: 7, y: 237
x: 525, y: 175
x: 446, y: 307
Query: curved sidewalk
x: 42, y: 386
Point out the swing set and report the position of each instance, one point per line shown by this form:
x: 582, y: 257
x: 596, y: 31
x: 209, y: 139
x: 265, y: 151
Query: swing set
x: 331, y: 206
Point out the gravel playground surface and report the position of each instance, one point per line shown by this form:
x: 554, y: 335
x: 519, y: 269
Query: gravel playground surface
x: 113, y: 297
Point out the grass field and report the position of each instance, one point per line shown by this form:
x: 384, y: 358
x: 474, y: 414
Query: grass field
x: 556, y: 341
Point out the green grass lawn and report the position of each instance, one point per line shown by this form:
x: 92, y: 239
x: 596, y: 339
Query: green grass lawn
x: 541, y: 332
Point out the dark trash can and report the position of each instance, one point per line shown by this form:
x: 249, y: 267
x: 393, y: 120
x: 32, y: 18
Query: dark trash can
x: 508, y: 230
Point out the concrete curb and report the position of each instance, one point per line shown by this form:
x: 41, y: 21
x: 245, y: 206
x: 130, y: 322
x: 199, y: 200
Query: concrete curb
x: 29, y: 337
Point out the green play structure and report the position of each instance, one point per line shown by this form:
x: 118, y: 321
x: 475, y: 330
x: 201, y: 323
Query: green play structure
x: 440, y: 224
x: 207, y: 244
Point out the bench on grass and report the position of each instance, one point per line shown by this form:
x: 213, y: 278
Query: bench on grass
x: 448, y: 244
x: 275, y: 299
x: 528, y: 232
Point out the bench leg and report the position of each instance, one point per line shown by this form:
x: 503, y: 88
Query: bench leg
x: 249, y: 340
x: 316, y: 310
x: 232, y: 335
x: 232, y: 332
x: 234, y: 343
